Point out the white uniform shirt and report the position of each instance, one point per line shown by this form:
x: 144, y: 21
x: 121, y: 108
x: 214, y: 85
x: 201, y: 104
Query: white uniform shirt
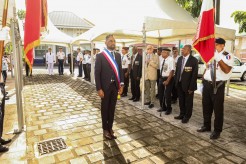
x: 60, y: 55
x: 50, y: 57
x: 125, y: 61
x: 160, y: 62
x: 220, y: 75
x: 80, y: 56
x: 4, y: 64
x: 88, y: 59
x: 167, y: 67
x: 85, y: 59
x: 175, y: 62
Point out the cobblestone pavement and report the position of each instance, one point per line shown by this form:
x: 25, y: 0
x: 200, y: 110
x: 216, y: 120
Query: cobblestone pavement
x: 64, y: 106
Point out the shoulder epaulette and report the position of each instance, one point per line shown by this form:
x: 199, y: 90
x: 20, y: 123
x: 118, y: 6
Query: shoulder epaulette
x: 225, y: 53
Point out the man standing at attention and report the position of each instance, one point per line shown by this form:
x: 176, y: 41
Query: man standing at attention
x: 185, y: 81
x: 214, y: 89
x: 61, y: 59
x: 151, y: 66
x: 50, y: 60
x: 109, y: 83
x: 136, y: 74
x: 126, y: 67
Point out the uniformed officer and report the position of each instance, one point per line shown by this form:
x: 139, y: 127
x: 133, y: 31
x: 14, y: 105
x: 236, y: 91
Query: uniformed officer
x: 79, y: 60
x: 50, y: 60
x: 175, y: 55
x: 61, y: 59
x: 126, y: 67
x: 84, y: 62
x: 166, y: 81
x: 214, y: 89
x: 88, y: 66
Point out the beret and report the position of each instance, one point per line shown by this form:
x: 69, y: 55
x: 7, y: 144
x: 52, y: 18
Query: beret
x: 165, y: 49
x: 220, y: 41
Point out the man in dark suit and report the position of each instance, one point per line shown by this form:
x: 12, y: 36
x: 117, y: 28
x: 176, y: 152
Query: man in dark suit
x: 109, y: 81
x: 136, y: 74
x: 185, y: 81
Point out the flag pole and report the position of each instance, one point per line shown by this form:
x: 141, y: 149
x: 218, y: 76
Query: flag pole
x: 143, y: 65
x: 4, y: 23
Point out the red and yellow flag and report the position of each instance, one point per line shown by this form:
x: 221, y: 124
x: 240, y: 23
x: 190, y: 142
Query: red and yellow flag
x: 36, y: 17
x: 203, y: 41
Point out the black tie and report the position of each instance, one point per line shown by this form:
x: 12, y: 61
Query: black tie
x: 50, y: 53
x: 162, y: 67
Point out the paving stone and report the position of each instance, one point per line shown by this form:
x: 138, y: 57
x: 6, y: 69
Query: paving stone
x: 127, y: 158
x: 223, y: 161
x: 47, y: 159
x: 213, y: 152
x: 138, y: 143
x: 113, y: 151
x: 97, y: 146
x: 141, y: 153
x: 126, y: 147
x: 192, y: 160
x: 80, y: 160
x: 194, y: 146
x: 173, y: 154
x: 145, y: 161
x: 40, y: 132
x: 159, y: 159
x: 62, y: 156
x: 124, y: 139
x: 95, y: 157
x: 82, y: 150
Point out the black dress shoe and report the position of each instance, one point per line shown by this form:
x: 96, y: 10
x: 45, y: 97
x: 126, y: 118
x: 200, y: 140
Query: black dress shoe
x: 4, y: 142
x: 204, y: 129
x: 161, y: 110
x: 215, y: 135
x: 79, y: 76
x: 131, y: 98
x: 147, y: 103
x: 135, y: 100
x: 157, y: 96
x: 3, y: 149
x: 185, y: 120
x: 179, y: 117
x: 123, y: 95
x: 107, y: 135
x: 6, y: 97
x: 168, y: 112
x: 151, y: 105
x: 112, y: 134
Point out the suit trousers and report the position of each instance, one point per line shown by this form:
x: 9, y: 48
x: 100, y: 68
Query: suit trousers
x: 70, y: 67
x: 174, y: 92
x: 158, y: 79
x: 60, y: 66
x: 88, y: 69
x: 185, y: 102
x: 80, y: 69
x: 126, y: 81
x: 149, y: 91
x: 213, y: 102
x: 165, y: 94
x: 2, y: 108
x: 85, y: 71
x: 50, y: 68
x: 5, y: 75
x: 135, y: 87
x: 108, y: 104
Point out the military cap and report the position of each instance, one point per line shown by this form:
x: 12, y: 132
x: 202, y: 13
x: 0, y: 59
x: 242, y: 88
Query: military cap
x: 220, y: 41
x: 166, y: 49
x: 159, y: 48
x: 125, y: 48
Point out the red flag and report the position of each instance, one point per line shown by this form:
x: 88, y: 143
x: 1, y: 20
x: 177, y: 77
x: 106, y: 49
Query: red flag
x: 203, y: 41
x: 36, y: 17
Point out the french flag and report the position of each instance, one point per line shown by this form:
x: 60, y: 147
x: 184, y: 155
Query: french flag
x: 204, y: 40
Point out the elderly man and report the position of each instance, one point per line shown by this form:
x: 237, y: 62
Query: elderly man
x: 166, y: 81
x: 151, y: 66
x: 185, y: 81
x: 126, y: 67
x: 175, y: 56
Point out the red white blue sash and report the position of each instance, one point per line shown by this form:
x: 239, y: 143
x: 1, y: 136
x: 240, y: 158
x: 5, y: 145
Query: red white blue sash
x: 112, y: 62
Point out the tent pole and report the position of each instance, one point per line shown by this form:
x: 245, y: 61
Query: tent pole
x: 17, y: 78
x: 179, y: 46
x: 143, y: 64
x: 92, y: 63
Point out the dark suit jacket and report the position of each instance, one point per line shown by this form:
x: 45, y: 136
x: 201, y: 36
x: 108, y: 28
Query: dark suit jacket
x: 137, y: 67
x: 103, y: 71
x: 189, y: 75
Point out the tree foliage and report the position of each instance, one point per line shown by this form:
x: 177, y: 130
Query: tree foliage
x: 192, y: 6
x: 21, y: 14
x: 240, y: 18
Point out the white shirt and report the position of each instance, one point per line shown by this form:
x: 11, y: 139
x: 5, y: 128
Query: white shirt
x: 50, y: 57
x: 88, y: 61
x: 175, y: 62
x: 4, y: 64
x: 85, y: 59
x: 125, y: 61
x: 220, y: 75
x: 167, y: 67
x: 80, y: 56
x: 160, y: 62
x: 60, y: 55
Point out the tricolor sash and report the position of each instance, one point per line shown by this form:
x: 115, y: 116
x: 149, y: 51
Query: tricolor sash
x: 113, y: 64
